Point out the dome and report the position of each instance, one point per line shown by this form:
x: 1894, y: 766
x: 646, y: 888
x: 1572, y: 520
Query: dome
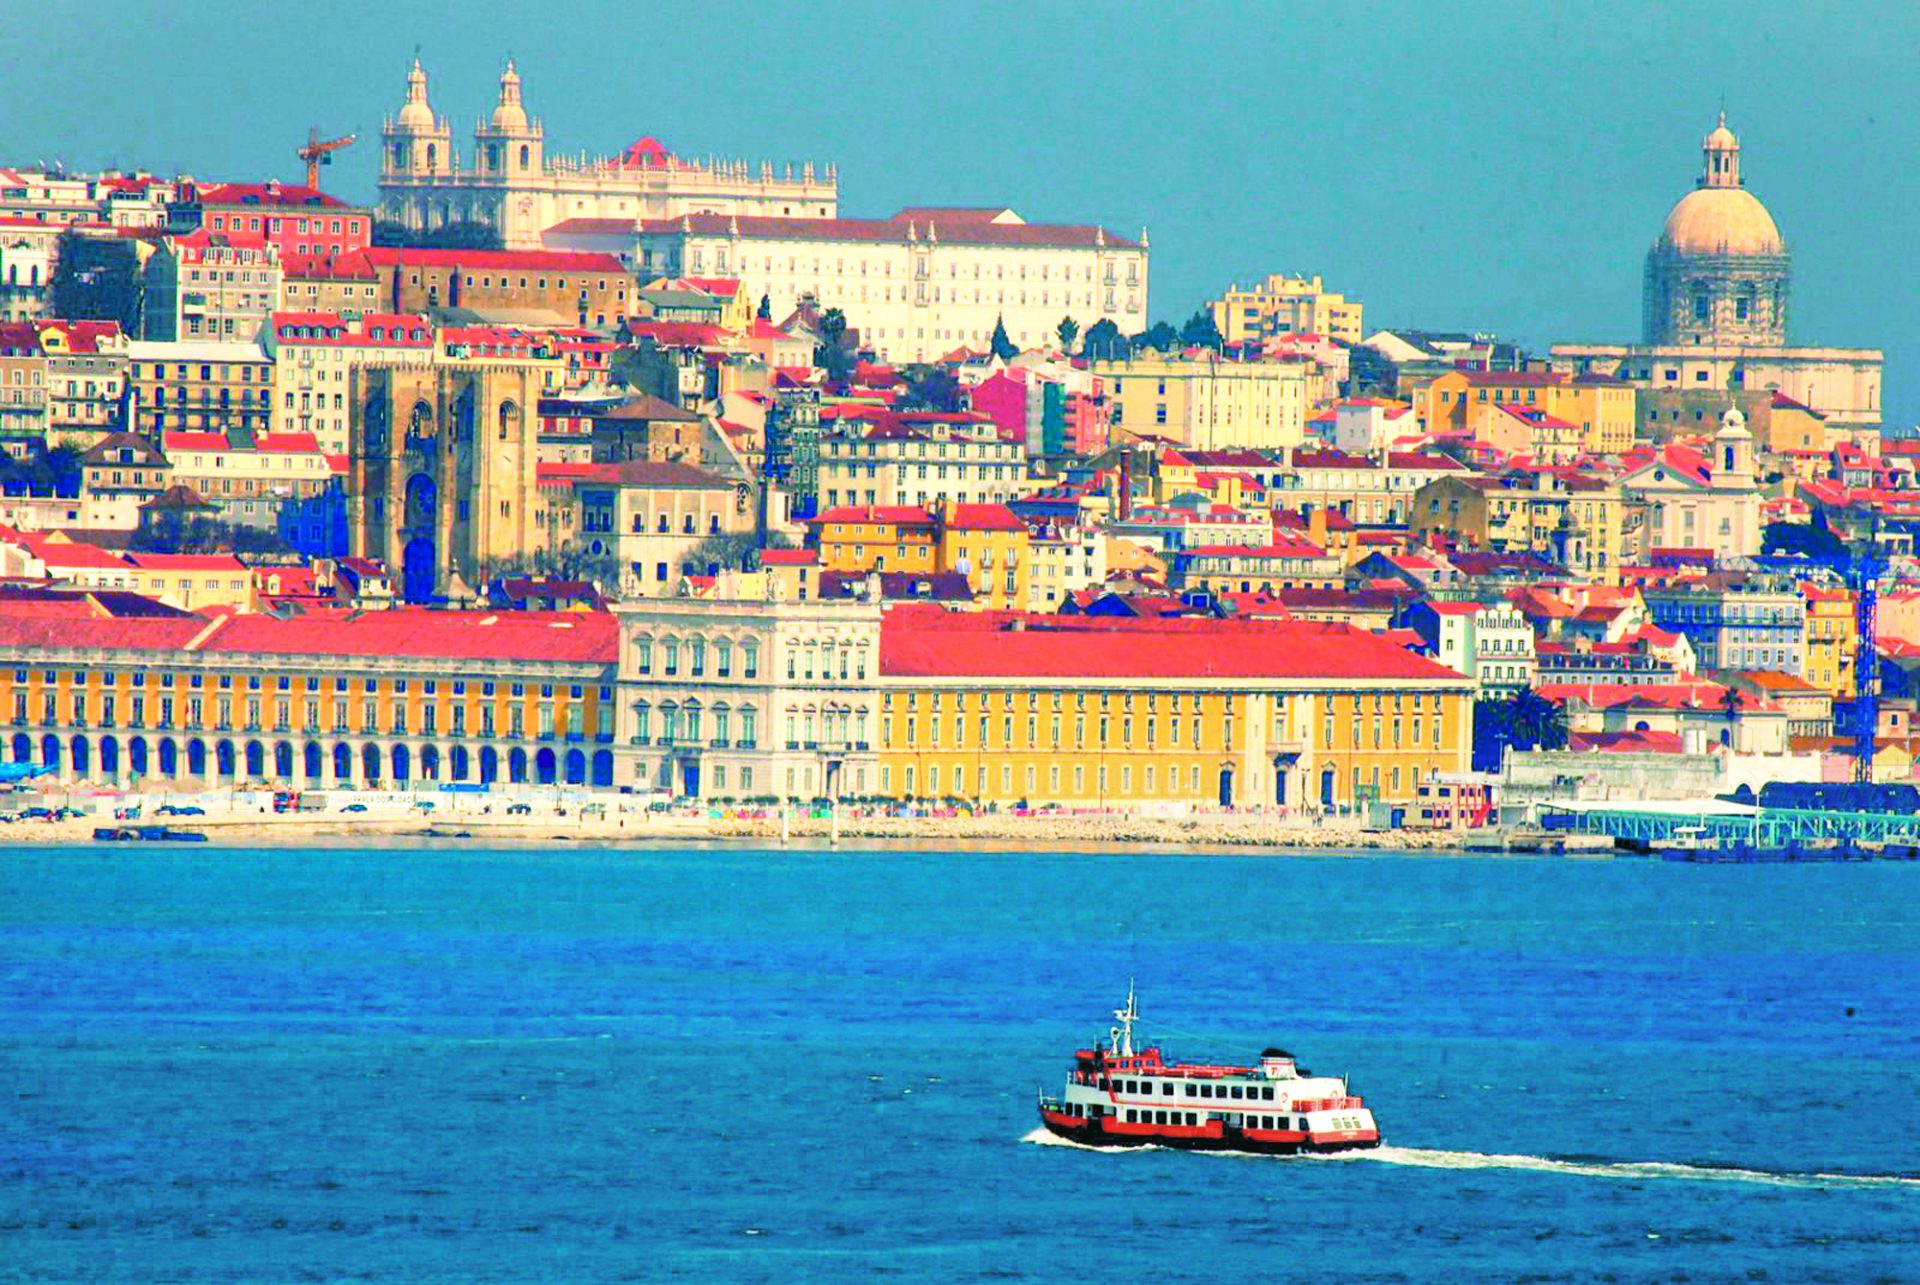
x: 509, y: 115
x: 1722, y: 220
x: 416, y: 114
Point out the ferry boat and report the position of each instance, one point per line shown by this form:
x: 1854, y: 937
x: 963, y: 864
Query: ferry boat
x: 1120, y: 1096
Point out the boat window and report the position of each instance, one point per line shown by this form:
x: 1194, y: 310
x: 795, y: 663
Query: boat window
x: 1236, y: 1091
x: 1167, y: 1088
x: 1192, y: 1090
x: 1206, y: 1090
x: 1266, y: 1094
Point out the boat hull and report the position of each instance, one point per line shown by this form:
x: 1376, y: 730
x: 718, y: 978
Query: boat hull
x: 1088, y: 1134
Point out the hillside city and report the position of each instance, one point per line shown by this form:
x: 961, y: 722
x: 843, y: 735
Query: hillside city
x: 553, y: 477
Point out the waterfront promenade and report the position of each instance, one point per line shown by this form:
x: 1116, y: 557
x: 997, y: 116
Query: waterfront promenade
x: 250, y: 819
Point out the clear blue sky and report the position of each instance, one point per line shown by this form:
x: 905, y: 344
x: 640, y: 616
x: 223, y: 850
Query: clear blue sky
x: 1492, y: 166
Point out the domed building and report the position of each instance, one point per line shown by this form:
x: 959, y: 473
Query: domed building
x: 1718, y: 273
x: 1714, y: 312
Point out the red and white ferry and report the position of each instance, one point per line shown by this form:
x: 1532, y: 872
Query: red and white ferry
x: 1117, y: 1096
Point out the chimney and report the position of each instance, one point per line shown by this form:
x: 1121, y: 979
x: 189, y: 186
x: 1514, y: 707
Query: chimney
x: 1317, y: 524
x: 1124, y: 501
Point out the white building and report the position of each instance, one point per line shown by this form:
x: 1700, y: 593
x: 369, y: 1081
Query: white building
x: 1700, y: 501
x: 514, y: 187
x: 920, y: 458
x: 916, y: 286
x: 1365, y: 425
x: 1491, y: 643
x: 313, y: 354
x: 726, y: 697
x: 1062, y: 562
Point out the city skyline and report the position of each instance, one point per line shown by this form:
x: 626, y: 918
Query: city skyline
x: 1548, y: 225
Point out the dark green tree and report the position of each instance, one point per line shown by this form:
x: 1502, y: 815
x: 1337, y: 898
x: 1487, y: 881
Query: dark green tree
x: 832, y: 353
x: 1068, y: 330
x: 1803, y: 539
x: 463, y: 235
x: 1103, y: 341
x: 934, y: 388
x: 1200, y: 332
x: 96, y: 279
x: 1001, y: 346
x: 1159, y: 337
x: 1524, y: 721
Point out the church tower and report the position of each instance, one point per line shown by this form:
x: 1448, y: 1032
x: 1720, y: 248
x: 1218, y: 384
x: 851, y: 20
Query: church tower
x: 511, y: 146
x: 417, y: 145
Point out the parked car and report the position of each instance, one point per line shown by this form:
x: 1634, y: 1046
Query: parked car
x: 354, y: 807
x: 424, y: 805
x: 520, y: 810
x: 179, y: 810
x: 36, y: 814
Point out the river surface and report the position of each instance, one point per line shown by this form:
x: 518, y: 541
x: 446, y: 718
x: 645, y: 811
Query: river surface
x: 581, y: 1064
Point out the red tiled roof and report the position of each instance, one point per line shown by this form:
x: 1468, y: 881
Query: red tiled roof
x: 789, y: 557
x: 287, y: 443
x: 934, y: 645
x: 252, y: 194
x: 886, y: 514
x: 193, y: 440
x: 497, y: 260
x: 982, y: 517
x: 186, y: 562
x: 513, y: 635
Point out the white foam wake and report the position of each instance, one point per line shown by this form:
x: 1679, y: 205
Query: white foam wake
x: 1641, y: 1170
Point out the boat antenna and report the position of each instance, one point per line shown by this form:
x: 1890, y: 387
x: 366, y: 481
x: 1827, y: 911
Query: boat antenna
x: 1122, y: 1034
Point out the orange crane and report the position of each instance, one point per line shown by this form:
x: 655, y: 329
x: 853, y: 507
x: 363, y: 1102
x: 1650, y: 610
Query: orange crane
x: 317, y: 153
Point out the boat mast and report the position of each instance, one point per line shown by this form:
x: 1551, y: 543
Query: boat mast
x: 1122, y: 1035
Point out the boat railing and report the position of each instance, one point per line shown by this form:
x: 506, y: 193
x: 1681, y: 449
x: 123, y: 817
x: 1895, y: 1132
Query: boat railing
x: 1329, y: 1104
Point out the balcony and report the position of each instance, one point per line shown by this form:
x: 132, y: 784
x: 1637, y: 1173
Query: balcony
x: 642, y: 740
x: 720, y: 743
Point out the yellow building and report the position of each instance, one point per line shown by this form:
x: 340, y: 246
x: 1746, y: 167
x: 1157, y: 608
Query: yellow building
x: 1209, y: 404
x: 885, y: 537
x: 1602, y: 408
x: 386, y: 698
x: 1283, y: 305
x: 1051, y: 711
x: 984, y: 542
x: 192, y: 581
x: 1833, y: 639
x: 1571, y: 519
x: 989, y: 546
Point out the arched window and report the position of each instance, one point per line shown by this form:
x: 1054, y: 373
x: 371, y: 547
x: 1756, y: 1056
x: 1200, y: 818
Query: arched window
x: 433, y: 155
x: 526, y: 156
x: 507, y: 412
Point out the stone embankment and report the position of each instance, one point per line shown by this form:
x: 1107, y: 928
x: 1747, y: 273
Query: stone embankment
x: 1223, y: 830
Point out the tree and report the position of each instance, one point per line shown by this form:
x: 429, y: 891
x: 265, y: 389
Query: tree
x: 1001, y: 346
x: 1524, y: 721
x: 1159, y: 337
x: 95, y: 279
x: 934, y: 388
x: 462, y: 235
x: 1804, y: 539
x: 832, y: 353
x: 1068, y: 330
x: 735, y: 551
x: 1200, y: 331
x: 1103, y: 341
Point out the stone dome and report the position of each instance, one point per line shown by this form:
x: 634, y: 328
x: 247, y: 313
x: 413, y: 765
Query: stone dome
x: 509, y: 116
x: 416, y: 114
x: 1721, y: 220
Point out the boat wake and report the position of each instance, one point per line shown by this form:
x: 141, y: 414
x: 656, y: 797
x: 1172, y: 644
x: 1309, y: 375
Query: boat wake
x: 1641, y: 1171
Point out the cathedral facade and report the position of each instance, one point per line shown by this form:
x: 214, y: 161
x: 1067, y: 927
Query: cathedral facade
x: 513, y: 186
x: 441, y: 472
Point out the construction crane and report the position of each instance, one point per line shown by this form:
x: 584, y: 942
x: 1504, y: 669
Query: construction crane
x: 317, y: 153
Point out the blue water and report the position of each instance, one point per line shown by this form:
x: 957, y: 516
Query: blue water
x: 453, y: 1063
